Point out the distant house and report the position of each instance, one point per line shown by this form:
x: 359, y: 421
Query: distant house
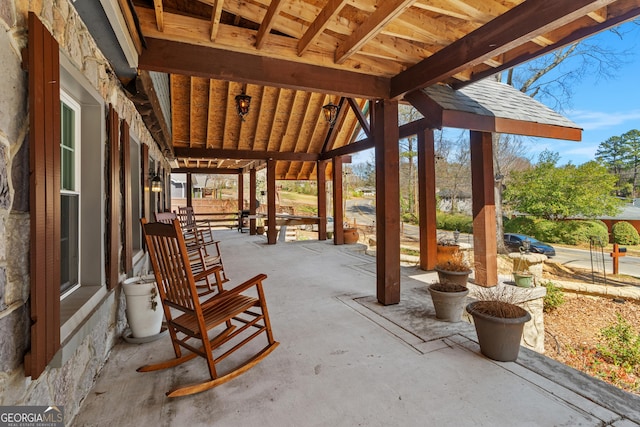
x: 367, y: 191
x: 630, y: 213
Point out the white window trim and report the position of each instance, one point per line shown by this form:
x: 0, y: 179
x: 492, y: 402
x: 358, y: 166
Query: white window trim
x: 81, y: 309
x: 65, y: 98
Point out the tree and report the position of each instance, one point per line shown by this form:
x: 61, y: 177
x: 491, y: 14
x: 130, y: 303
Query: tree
x: 553, y: 192
x: 611, y: 153
x: 631, y: 140
x: 621, y: 155
x: 408, y: 156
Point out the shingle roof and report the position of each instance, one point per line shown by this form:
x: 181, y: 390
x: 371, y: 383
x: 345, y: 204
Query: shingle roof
x: 494, y: 99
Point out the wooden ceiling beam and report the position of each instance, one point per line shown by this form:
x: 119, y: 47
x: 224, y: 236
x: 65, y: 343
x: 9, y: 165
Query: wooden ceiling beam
x: 194, y: 30
x: 182, y: 58
x: 216, y: 13
x: 243, y: 154
x: 360, y: 116
x: 267, y: 23
x: 517, y: 26
x: 208, y: 171
x: 329, y: 12
x: 618, y: 13
x: 157, y: 6
x: 387, y: 12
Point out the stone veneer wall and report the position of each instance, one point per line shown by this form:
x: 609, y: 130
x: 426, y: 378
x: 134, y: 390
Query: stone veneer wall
x: 69, y: 384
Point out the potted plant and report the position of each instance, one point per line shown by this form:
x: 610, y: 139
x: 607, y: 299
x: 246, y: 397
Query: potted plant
x: 521, y: 274
x: 143, y: 309
x: 454, y: 270
x: 448, y: 300
x: 499, y: 322
x: 350, y: 234
x: 523, y: 278
x: 259, y: 226
x: 446, y: 249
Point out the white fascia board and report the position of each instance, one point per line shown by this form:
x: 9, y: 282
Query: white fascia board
x: 119, y: 26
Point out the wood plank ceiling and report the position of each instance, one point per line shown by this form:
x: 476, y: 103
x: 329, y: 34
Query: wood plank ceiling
x: 294, y: 56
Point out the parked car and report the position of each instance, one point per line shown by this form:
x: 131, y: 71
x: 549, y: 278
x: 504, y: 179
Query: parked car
x: 515, y: 241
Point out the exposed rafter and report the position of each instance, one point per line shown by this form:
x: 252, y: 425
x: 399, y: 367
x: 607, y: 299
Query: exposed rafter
x: 387, y: 11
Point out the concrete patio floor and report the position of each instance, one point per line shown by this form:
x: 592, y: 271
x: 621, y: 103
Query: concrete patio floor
x: 345, y: 360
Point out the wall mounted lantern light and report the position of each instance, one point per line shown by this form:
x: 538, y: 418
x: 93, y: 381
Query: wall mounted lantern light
x: 156, y: 183
x: 243, y: 101
x: 330, y: 112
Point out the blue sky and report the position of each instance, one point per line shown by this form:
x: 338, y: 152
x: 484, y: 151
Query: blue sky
x: 603, y: 108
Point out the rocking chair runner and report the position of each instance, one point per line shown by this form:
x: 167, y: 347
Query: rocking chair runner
x: 235, y: 312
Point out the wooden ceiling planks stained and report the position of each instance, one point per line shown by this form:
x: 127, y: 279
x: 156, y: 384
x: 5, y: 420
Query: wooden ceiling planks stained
x: 294, y: 56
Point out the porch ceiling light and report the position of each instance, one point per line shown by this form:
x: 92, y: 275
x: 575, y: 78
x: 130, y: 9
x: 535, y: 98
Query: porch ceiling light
x: 156, y: 184
x: 243, y: 101
x: 330, y: 112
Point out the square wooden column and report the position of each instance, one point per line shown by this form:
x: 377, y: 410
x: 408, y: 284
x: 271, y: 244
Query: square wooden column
x: 338, y: 211
x: 427, y: 199
x: 321, y: 168
x: 240, y: 191
x: 484, y: 210
x: 253, y: 205
x: 385, y: 133
x: 189, y: 189
x: 272, y: 233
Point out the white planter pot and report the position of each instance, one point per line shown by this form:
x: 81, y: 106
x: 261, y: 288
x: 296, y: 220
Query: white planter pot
x: 144, y: 311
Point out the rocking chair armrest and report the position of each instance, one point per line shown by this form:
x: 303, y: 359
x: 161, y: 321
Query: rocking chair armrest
x: 254, y: 281
x: 207, y: 272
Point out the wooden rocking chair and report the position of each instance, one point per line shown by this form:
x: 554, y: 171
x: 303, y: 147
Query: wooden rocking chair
x: 239, y: 314
x: 202, y: 231
x: 201, y: 261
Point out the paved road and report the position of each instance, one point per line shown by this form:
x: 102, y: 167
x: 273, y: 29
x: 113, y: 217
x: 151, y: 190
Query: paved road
x: 363, y: 211
x: 570, y: 257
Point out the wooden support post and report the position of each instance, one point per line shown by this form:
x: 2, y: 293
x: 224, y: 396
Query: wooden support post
x: 272, y: 233
x: 321, y: 169
x: 338, y: 211
x: 253, y: 205
x: 386, y: 135
x: 616, y: 254
x: 427, y: 200
x: 240, y: 191
x: 189, y: 189
x: 484, y: 210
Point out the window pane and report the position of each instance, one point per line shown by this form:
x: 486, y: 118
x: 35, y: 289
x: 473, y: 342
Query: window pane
x: 67, y: 143
x: 69, y: 241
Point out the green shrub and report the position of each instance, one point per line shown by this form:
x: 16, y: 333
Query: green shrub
x: 521, y: 224
x: 554, y: 297
x: 625, y: 234
x: 621, y: 344
x: 460, y: 222
x: 577, y: 232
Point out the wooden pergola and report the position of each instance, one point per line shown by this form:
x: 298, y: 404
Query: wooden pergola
x: 294, y: 56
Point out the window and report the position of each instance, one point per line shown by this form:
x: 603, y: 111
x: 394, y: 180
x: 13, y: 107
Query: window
x: 82, y: 204
x: 69, y: 193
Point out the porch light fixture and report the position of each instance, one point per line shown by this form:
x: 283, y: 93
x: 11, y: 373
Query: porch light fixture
x: 243, y: 101
x: 330, y: 112
x: 156, y: 184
